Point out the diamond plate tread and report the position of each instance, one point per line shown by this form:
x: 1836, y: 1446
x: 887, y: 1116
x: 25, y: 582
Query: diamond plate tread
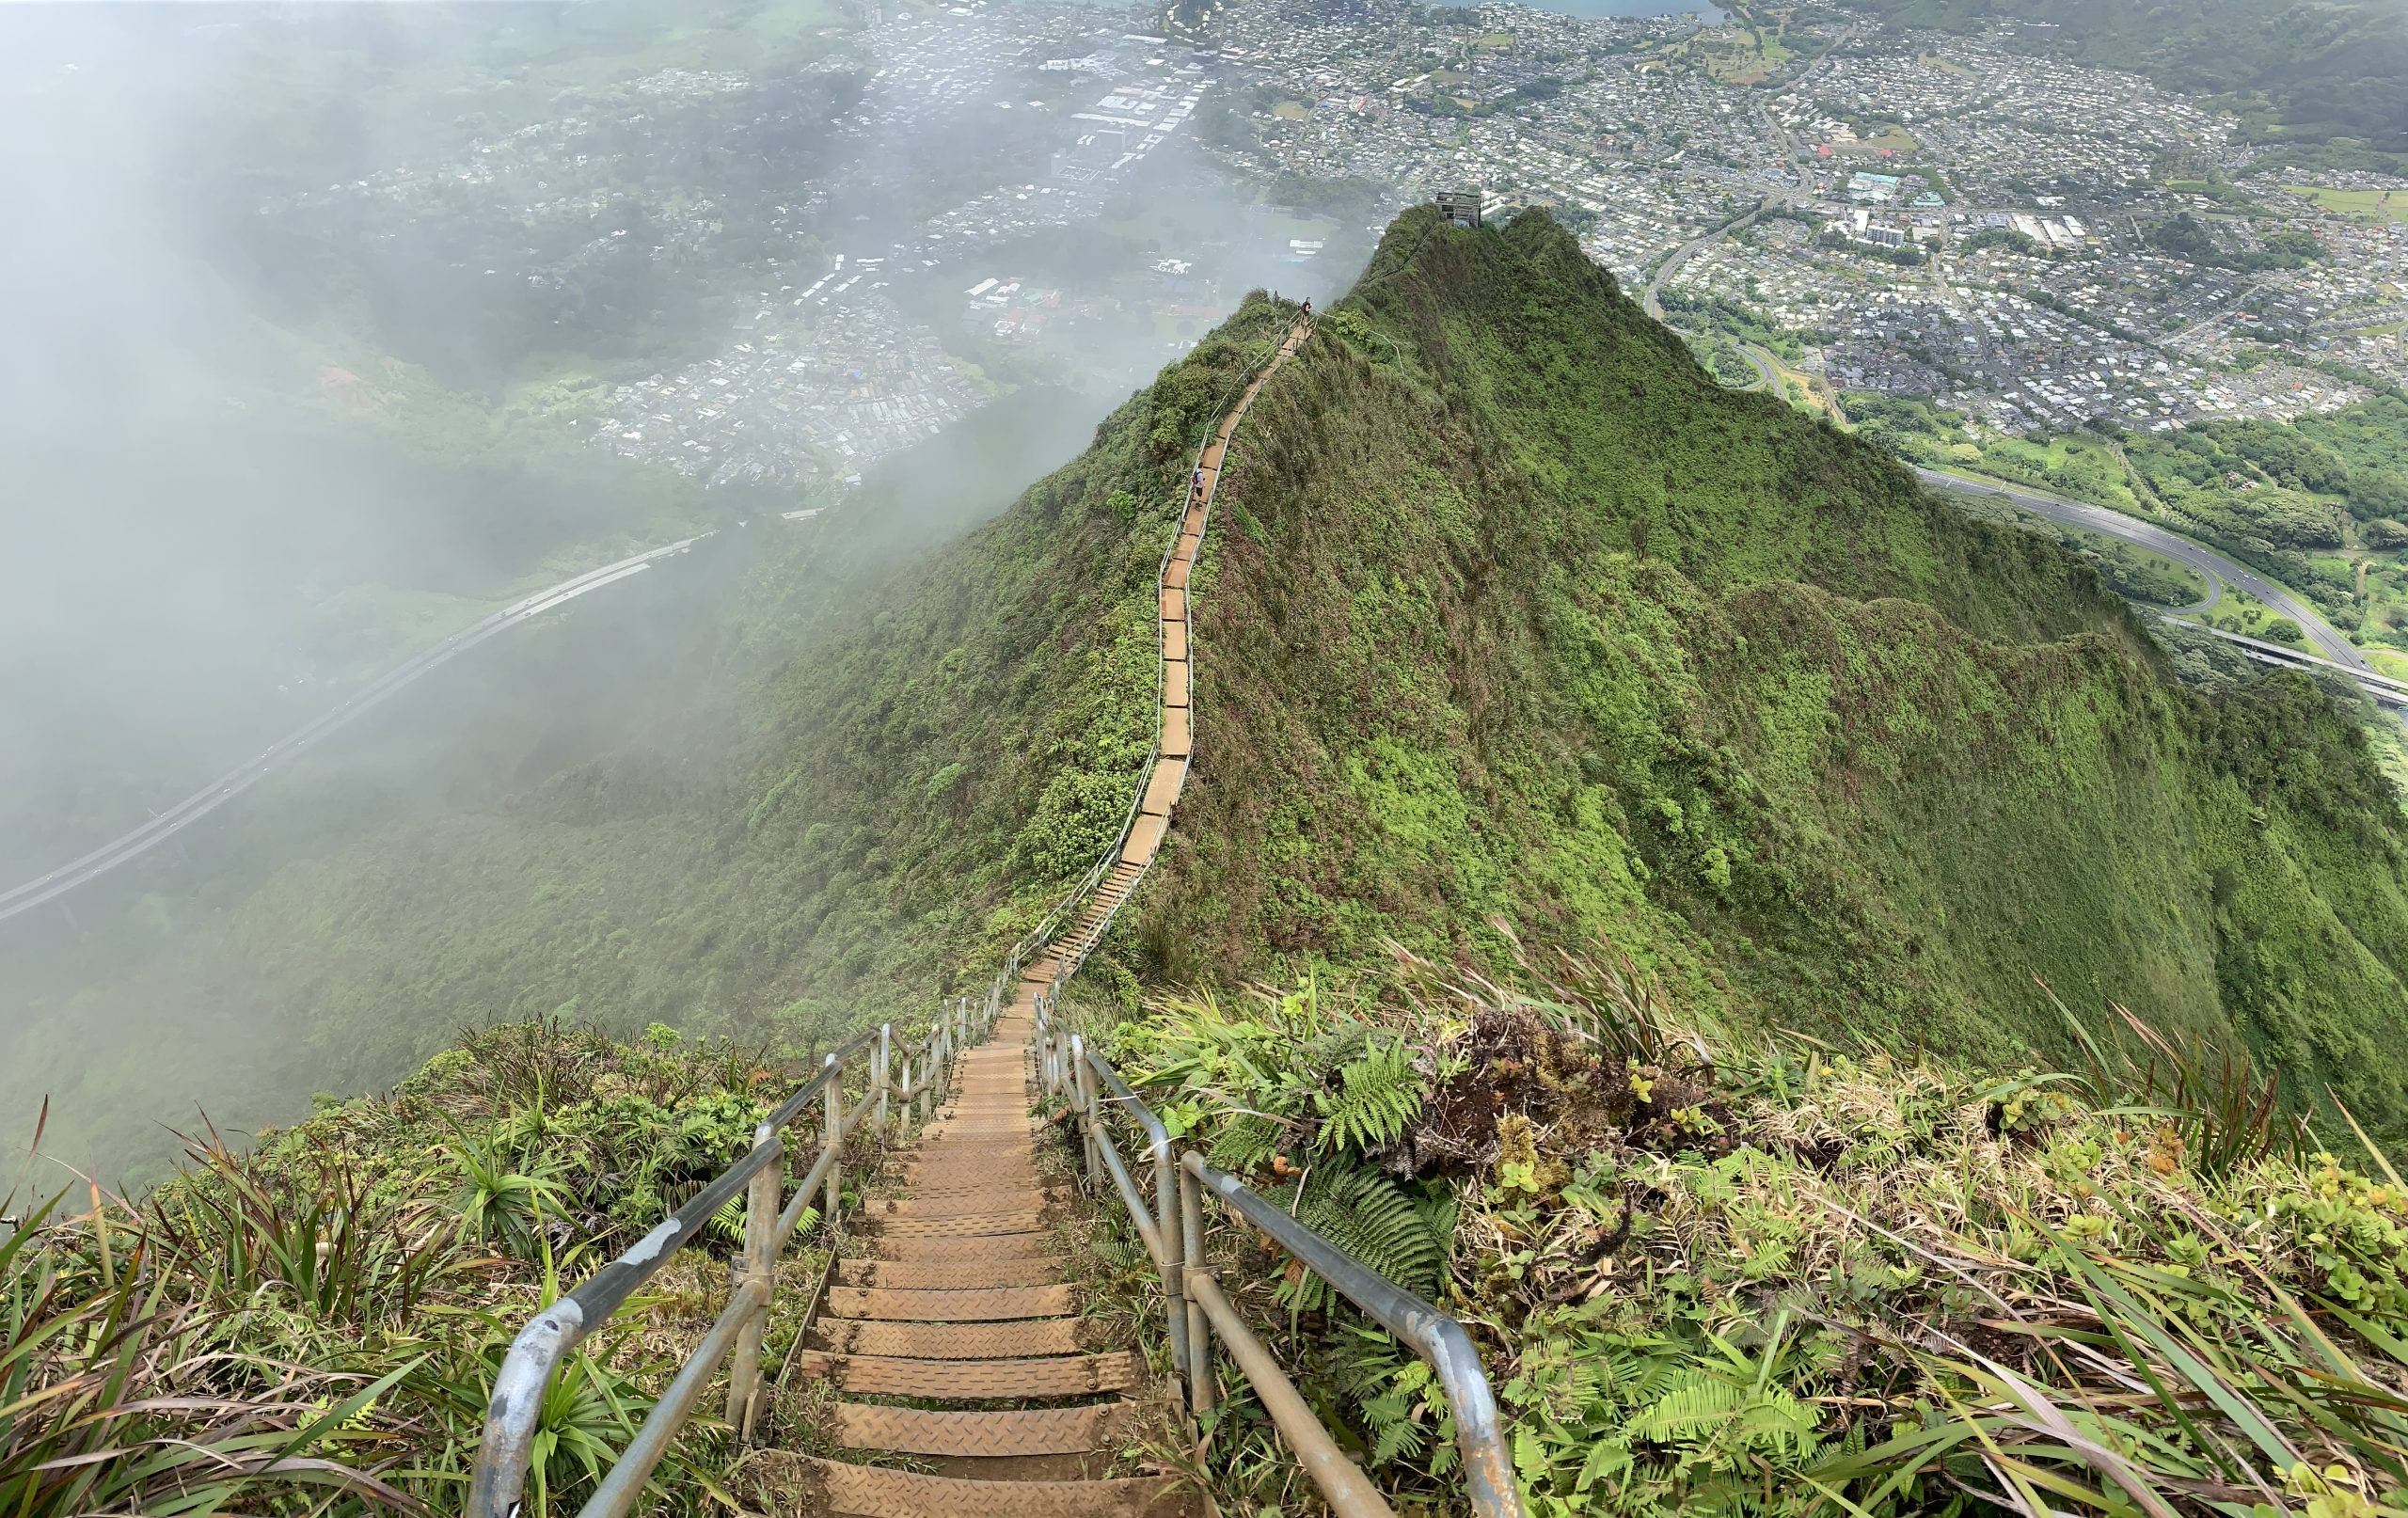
x: 929, y: 1248
x: 962, y: 1203
x: 953, y: 1341
x: 960, y: 1304
x: 938, y: 1186
x: 961, y: 1228
x: 953, y: 1274
x: 1174, y: 604
x: 964, y: 1176
x: 914, y: 1430
x: 1177, y: 738
x: 1175, y: 682
x: 974, y: 1381
x: 1175, y: 640
x: 999, y: 1190
x: 879, y: 1492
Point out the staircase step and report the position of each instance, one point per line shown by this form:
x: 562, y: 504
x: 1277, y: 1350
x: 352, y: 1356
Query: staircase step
x: 974, y: 1381
x: 951, y: 1341
x: 948, y: 1273
x: 961, y: 1228
x: 958, y: 1202
x: 961, y: 1176
x: 881, y: 1491
x: 926, y: 1250
x: 914, y: 1430
x: 967, y: 1304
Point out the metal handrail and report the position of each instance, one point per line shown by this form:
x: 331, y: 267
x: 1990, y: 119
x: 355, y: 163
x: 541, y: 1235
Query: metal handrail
x: 1198, y: 1312
x: 498, y: 1482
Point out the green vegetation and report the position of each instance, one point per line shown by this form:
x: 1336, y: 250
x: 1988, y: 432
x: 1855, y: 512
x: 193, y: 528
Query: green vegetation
x: 2003, y: 239
x: 2185, y: 236
x: 2359, y: 205
x: 1529, y: 622
x: 2313, y: 502
x: 314, y: 1325
x: 1697, y: 310
x: 1544, y: 625
x: 733, y: 823
x: 2316, y: 504
x: 2137, y: 573
x: 2300, y: 70
x: 1716, y: 1274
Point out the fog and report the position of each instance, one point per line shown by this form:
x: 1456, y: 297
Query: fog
x: 323, y: 322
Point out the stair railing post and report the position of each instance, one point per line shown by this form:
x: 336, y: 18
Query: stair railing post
x: 878, y: 1069
x: 1084, y: 1099
x: 756, y: 1262
x: 1172, y: 1264
x: 908, y: 1100
x: 1203, y: 1381
x: 835, y: 1094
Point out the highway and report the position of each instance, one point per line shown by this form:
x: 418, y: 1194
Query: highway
x: 166, y: 825
x: 2215, y: 566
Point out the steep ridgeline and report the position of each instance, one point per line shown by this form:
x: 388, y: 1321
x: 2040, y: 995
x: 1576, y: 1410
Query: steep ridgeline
x: 1515, y: 614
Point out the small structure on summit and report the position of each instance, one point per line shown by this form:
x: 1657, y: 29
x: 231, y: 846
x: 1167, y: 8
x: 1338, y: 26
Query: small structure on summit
x: 1462, y: 207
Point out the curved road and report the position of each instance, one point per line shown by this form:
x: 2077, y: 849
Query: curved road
x: 2215, y: 566
x: 166, y: 824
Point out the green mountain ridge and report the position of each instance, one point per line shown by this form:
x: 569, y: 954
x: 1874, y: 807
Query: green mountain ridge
x: 1507, y: 611
x: 1522, y: 617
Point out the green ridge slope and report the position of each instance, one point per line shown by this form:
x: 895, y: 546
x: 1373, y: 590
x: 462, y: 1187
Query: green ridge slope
x: 1512, y: 611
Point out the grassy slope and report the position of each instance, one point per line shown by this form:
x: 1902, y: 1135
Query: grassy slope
x: 1823, y: 751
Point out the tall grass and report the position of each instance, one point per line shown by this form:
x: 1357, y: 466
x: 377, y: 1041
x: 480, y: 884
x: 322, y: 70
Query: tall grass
x: 314, y: 1326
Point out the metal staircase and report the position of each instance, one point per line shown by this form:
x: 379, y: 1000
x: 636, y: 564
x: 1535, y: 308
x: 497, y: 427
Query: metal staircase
x: 949, y: 1297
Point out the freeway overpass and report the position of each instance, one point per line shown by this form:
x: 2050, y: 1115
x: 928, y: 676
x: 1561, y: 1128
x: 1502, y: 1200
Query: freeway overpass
x: 175, y: 819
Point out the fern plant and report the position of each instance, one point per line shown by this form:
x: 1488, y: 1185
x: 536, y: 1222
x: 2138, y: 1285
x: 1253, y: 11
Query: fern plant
x: 1378, y: 1097
x: 1369, y: 1216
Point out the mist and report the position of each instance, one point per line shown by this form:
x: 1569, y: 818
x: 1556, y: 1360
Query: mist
x: 339, y: 330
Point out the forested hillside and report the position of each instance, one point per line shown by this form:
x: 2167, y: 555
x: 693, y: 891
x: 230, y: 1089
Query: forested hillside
x: 2321, y: 68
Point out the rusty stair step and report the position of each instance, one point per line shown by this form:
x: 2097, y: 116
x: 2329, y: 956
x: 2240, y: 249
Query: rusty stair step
x: 958, y: 1201
x: 881, y: 1492
x: 974, y: 1381
x: 949, y: 1273
x: 924, y: 1249
x: 941, y: 1304
x: 994, y: 1177
x: 917, y: 1431
x: 954, y: 1341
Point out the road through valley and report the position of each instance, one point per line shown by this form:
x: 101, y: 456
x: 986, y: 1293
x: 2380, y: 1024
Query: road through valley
x: 168, y: 824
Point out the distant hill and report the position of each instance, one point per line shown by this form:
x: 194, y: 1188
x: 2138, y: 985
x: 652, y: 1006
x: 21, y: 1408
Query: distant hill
x: 2325, y: 68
